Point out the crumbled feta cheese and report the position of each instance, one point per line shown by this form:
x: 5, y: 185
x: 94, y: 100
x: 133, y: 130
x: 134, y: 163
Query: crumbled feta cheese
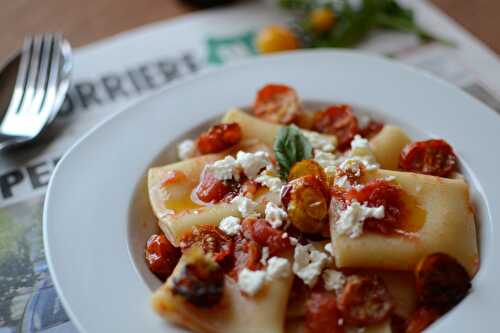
x: 186, y: 149
x: 275, y: 215
x: 390, y: 178
x: 284, y: 235
x: 247, y: 207
x: 253, y: 163
x: 333, y: 280
x: 308, y: 263
x: 277, y: 268
x: 265, y: 255
x: 224, y: 169
x: 321, y: 142
x: 250, y: 282
x: 293, y: 241
x: 351, y: 165
x: 343, y: 182
x: 329, y: 249
x: 350, y: 220
x: 274, y: 184
x: 230, y: 225
x: 360, y: 149
x: 326, y: 160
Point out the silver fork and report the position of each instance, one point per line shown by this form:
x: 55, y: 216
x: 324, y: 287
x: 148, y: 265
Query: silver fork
x: 41, y: 84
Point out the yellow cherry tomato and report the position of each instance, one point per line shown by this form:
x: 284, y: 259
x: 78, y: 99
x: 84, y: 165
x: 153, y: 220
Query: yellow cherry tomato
x: 276, y: 38
x: 322, y: 19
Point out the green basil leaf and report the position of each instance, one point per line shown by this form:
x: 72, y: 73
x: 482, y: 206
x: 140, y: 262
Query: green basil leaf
x: 290, y: 147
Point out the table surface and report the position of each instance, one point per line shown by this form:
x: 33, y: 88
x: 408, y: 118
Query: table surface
x: 83, y: 22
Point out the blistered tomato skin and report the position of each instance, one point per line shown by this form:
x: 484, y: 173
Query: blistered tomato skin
x: 219, y: 137
x: 420, y: 319
x: 277, y: 103
x: 430, y: 157
x: 337, y: 120
x: 213, y: 190
x: 372, y: 129
x: 365, y: 300
x: 212, y: 241
x: 381, y: 193
x: 161, y: 256
x: 306, y: 200
x: 261, y: 232
x: 322, y: 315
x: 441, y: 282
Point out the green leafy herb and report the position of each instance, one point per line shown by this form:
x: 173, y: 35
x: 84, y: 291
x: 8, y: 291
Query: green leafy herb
x: 354, y: 24
x: 291, y: 146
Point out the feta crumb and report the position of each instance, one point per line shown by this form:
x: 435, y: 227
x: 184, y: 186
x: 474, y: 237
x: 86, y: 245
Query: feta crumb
x: 230, y: 225
x: 224, y: 169
x: 343, y: 182
x: 390, y: 178
x: 326, y: 160
x: 329, y: 249
x: 351, y: 165
x: 308, y: 263
x: 265, y: 255
x: 253, y: 163
x: 293, y: 241
x: 321, y: 142
x: 274, y: 184
x: 284, y: 235
x: 277, y: 268
x: 275, y: 215
x: 186, y: 149
x: 250, y: 282
x: 333, y: 280
x: 247, y: 207
x: 361, y: 150
x: 350, y: 221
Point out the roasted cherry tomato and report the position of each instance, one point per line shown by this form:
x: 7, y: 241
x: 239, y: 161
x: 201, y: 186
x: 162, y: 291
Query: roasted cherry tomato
x: 430, y: 157
x: 441, y: 281
x: 365, y: 300
x: 322, y: 315
x: 213, y: 190
x: 306, y: 200
x: 277, y: 103
x: 382, y: 193
x: 372, y: 129
x: 322, y: 19
x: 247, y: 254
x: 212, y: 241
x: 161, y: 256
x: 337, y: 120
x: 219, y: 137
x: 261, y: 232
x: 201, y: 281
x: 420, y: 319
x: 305, y: 168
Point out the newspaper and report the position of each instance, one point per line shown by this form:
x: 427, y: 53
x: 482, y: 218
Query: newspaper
x: 113, y: 73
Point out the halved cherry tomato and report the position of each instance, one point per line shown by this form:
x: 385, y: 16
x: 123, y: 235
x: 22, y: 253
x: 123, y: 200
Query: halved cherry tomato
x: 420, y: 319
x: 372, y: 129
x: 306, y: 200
x: 381, y: 193
x: 337, y: 120
x: 260, y: 231
x: 201, y: 281
x: 247, y: 254
x: 307, y: 167
x: 322, y: 315
x: 213, y: 190
x: 161, y: 256
x: 173, y: 177
x: 212, y: 241
x: 219, y: 137
x: 277, y: 103
x: 441, y: 281
x: 430, y: 157
x: 365, y: 300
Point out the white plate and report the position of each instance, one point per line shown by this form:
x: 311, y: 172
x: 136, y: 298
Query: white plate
x: 97, y: 219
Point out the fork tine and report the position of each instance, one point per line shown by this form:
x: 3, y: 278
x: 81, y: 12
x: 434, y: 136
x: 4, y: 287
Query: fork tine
x: 32, y: 75
x: 52, y: 77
